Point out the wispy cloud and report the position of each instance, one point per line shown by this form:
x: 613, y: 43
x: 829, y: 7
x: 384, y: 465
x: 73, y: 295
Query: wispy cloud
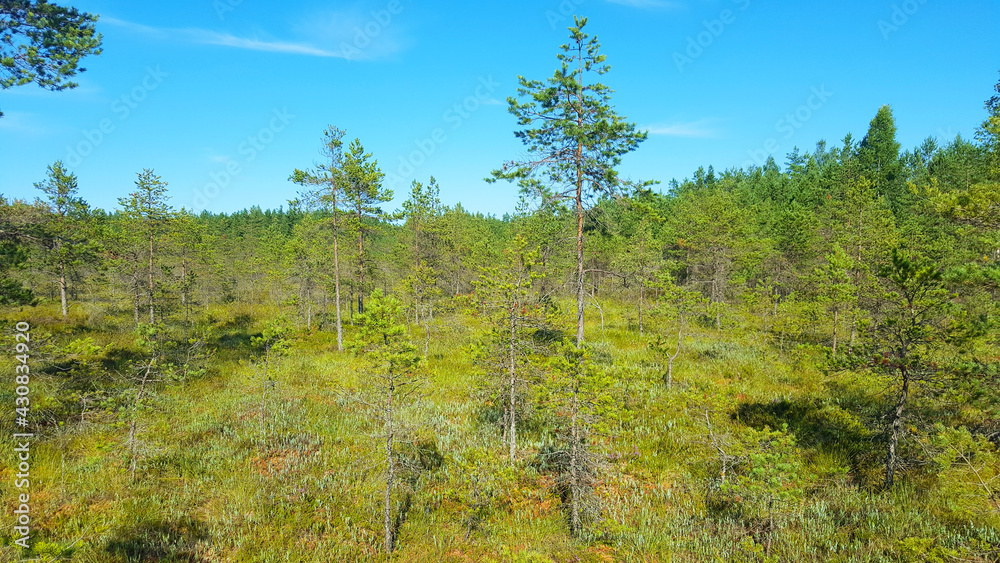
x: 700, y: 129
x: 358, y: 34
x: 649, y: 4
x: 228, y: 40
x: 210, y: 37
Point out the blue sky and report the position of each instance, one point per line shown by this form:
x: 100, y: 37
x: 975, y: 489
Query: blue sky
x: 224, y: 98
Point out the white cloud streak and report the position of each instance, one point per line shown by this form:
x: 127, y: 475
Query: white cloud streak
x: 227, y: 40
x: 701, y: 129
x: 209, y: 37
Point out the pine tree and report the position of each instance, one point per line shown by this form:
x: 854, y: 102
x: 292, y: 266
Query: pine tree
x: 422, y: 210
x: 976, y: 201
x: 147, y: 209
x: 422, y: 285
x: 363, y: 192
x: 878, y: 157
x: 989, y: 132
x: 18, y: 228
x: 639, y: 251
x: 580, y: 395
x: 712, y: 233
x: 43, y: 42
x: 578, y: 139
x: 679, y: 305
x: 189, y: 241
x: 505, y: 293
x: 393, y: 379
x: 306, y: 256
x: 864, y: 226
x: 326, y: 184
x: 66, y: 237
x: 836, y: 292
x: 916, y: 321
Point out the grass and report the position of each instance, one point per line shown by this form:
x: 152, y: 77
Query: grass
x: 211, y: 488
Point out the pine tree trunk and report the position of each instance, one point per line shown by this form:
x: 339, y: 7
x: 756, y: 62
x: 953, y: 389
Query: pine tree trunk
x: 512, y: 430
x: 416, y: 244
x: 390, y: 474
x: 62, y: 288
x: 579, y: 253
x: 336, y: 280
x: 574, y: 464
x: 361, y: 266
x: 427, y: 336
x: 579, y: 204
x: 897, y: 427
x: 670, y: 359
x: 263, y: 399
x: 151, y: 318
x: 836, y: 323
x: 641, y: 295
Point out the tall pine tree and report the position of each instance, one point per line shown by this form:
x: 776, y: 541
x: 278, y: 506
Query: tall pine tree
x: 575, y: 138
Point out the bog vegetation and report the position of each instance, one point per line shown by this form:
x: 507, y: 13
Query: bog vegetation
x: 773, y: 363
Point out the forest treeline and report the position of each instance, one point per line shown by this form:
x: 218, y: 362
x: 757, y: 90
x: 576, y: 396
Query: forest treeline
x: 801, y: 244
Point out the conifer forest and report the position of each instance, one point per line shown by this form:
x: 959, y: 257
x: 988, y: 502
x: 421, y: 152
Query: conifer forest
x: 784, y: 361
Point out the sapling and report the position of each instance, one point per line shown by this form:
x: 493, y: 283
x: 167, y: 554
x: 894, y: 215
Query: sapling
x: 392, y: 378
x: 504, y: 293
x: 271, y: 344
x: 678, y: 304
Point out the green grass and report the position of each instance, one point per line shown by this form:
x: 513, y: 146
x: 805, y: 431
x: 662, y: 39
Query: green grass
x: 211, y: 488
